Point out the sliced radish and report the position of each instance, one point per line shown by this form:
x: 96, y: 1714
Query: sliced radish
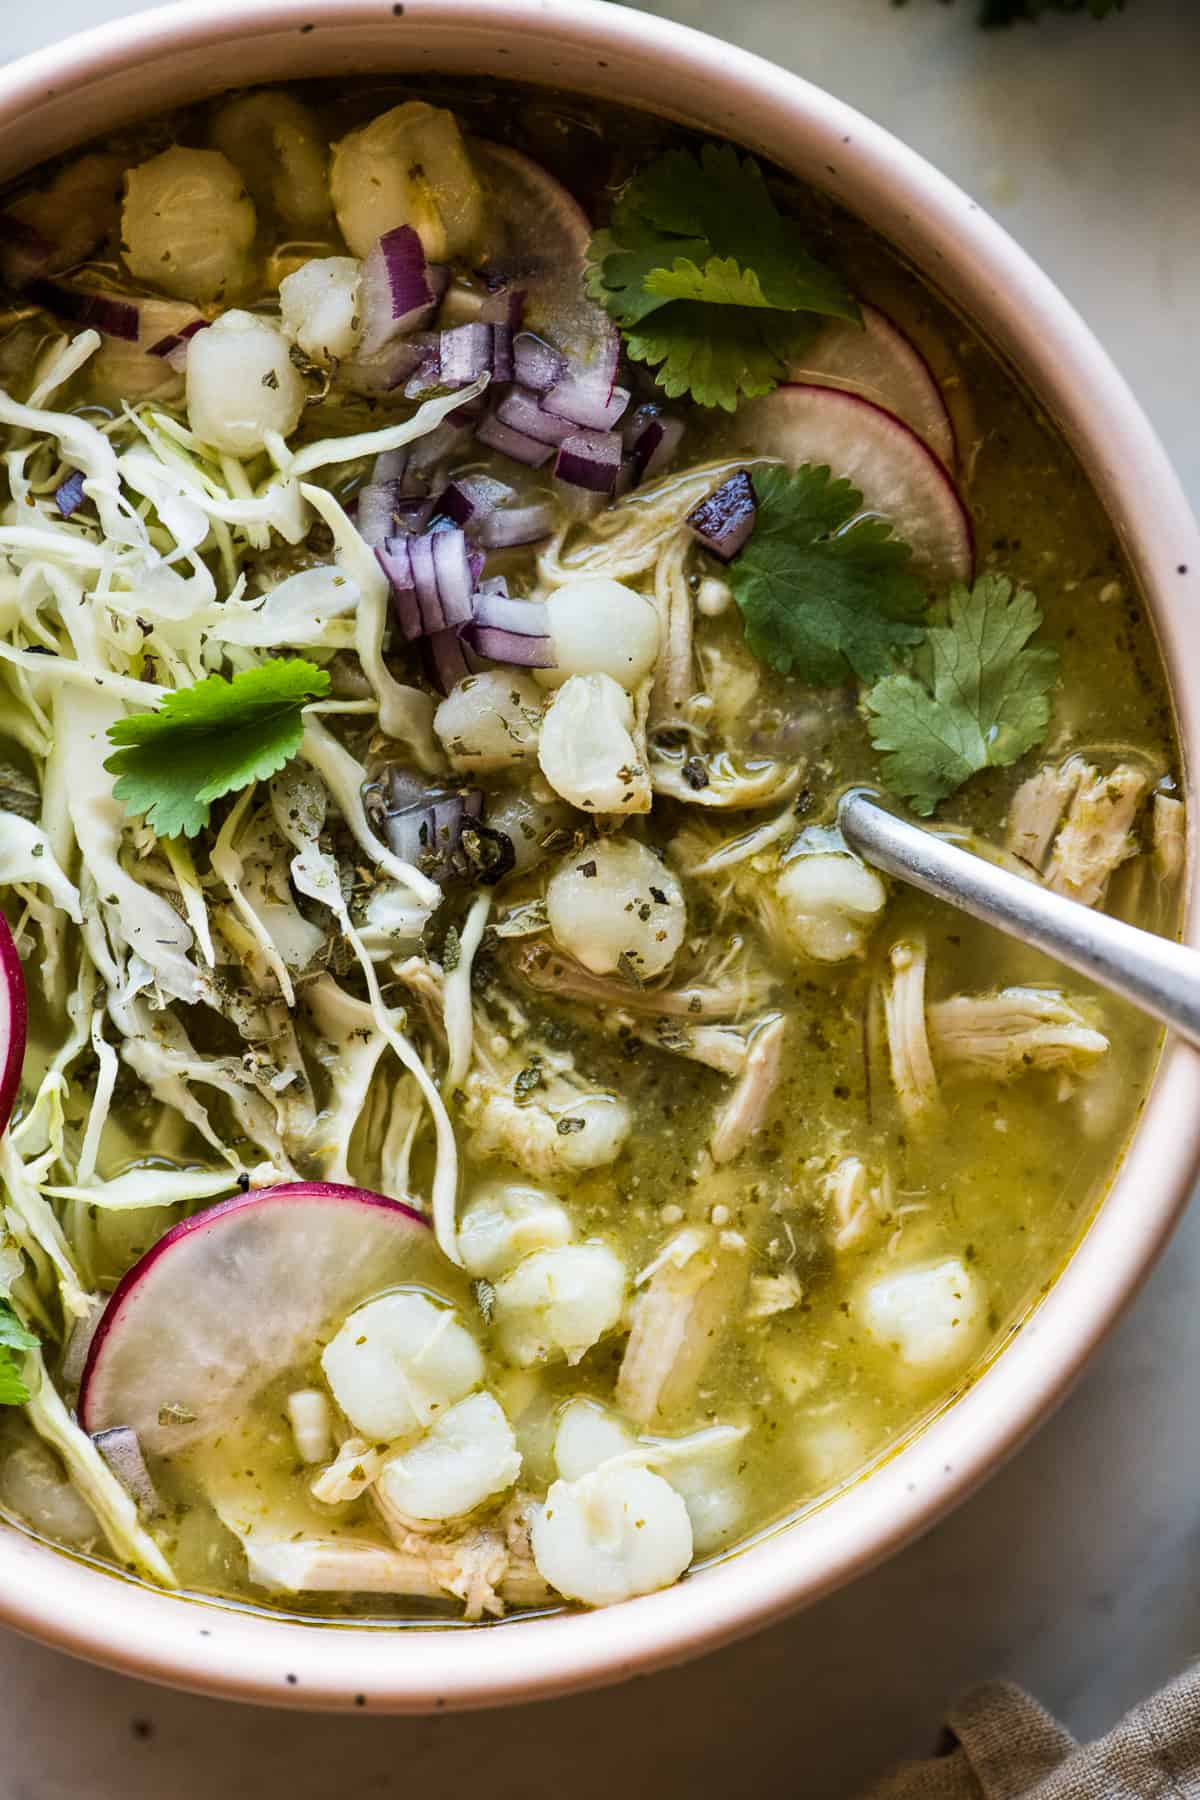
x: 898, y: 476
x: 230, y: 1299
x: 539, y: 244
x: 14, y: 1013
x: 878, y: 362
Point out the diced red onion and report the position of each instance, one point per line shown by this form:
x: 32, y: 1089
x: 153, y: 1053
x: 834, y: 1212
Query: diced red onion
x: 429, y: 833
x: 174, y: 347
x: 446, y: 659
x: 395, y: 559
x: 390, y: 369
x: 537, y: 364
x: 432, y: 580
x: 509, y: 526
x: 103, y: 312
x: 69, y: 495
x: 517, y: 444
x: 426, y: 373
x: 122, y: 1452
x: 79, y: 1342
x: 385, y: 512
x: 425, y: 583
x: 454, y: 576
x: 466, y: 352
x: 373, y: 513
x: 390, y: 465
x: 493, y: 607
x: 589, y: 401
x: 395, y: 293
x: 654, y: 446
x: 589, y: 460
x: 511, y: 647
x: 470, y: 499
x: 502, y: 353
x: 521, y: 411
x: 511, y: 631
x: 725, y: 520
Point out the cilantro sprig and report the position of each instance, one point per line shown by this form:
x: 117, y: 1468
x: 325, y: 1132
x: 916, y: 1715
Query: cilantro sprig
x: 211, y: 739
x: 13, y: 1337
x: 822, y: 597
x: 977, y: 696
x: 708, y: 279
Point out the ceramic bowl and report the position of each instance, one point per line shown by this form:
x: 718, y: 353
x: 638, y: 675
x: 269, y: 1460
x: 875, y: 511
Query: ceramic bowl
x: 154, y: 60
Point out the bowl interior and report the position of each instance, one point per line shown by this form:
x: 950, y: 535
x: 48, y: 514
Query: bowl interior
x: 61, y: 97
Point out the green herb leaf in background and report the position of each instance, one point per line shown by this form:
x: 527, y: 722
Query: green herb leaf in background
x: 697, y: 245
x: 977, y: 696
x: 821, y: 597
x: 211, y: 739
x: 13, y: 1336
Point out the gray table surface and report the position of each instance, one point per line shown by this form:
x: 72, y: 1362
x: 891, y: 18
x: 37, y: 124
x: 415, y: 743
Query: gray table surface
x: 1075, y: 1570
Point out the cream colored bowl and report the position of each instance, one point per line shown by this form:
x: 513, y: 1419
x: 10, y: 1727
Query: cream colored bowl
x: 54, y: 100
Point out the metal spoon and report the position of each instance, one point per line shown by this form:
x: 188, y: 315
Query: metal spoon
x: 1160, y: 977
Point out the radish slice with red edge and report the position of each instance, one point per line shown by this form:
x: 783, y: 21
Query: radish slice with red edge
x: 239, y: 1294
x: 898, y: 476
x: 877, y: 361
x: 539, y: 240
x: 14, y: 1018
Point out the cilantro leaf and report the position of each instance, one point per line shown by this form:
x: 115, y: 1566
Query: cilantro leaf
x: 697, y: 243
x: 819, y: 595
x: 739, y: 353
x: 211, y: 739
x: 13, y: 1336
x: 978, y: 697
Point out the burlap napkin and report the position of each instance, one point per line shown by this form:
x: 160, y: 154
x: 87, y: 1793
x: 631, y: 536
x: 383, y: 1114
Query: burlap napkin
x: 1002, y: 1746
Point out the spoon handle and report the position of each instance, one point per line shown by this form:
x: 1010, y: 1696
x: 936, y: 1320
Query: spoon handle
x: 1160, y: 977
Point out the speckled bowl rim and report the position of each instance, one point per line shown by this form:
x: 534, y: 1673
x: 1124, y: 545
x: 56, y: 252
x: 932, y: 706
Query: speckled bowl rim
x: 59, y: 96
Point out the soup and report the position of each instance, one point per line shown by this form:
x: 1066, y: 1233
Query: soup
x: 482, y: 1141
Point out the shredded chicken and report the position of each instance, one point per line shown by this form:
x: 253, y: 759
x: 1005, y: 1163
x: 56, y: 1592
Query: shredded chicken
x: 1037, y: 809
x: 772, y: 1294
x: 1096, y: 836
x: 528, y: 1106
x: 677, y: 1323
x: 855, y: 1201
x: 913, y: 1072
x: 549, y: 971
x: 744, y: 1112
x: 484, y: 1566
x: 998, y: 1036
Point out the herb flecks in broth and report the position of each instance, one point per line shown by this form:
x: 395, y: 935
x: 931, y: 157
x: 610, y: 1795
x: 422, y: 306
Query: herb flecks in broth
x: 484, y: 1140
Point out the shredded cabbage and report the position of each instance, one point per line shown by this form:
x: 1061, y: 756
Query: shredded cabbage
x: 184, y: 561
